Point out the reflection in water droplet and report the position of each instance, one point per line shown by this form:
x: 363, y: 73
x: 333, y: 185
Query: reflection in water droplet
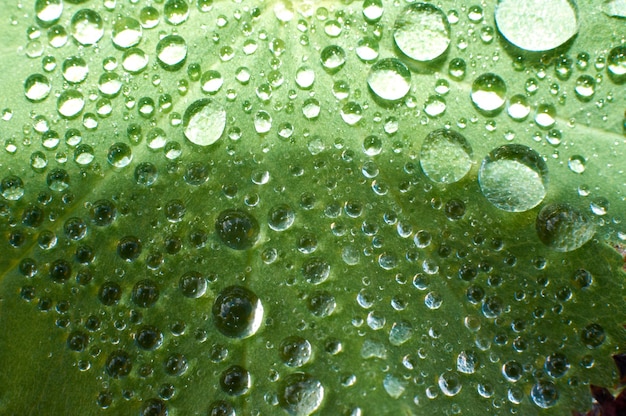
x: 301, y: 394
x: 48, y: 12
x: 518, y: 108
x: 237, y: 312
x: 563, y: 228
x: 422, y: 32
x: 545, y: 115
x: 37, y: 87
x: 171, y: 52
x: 134, y: 60
x: 126, y: 32
x: 75, y: 69
x: 237, y: 229
x: 617, y: 64
x: 544, y: 394
x: 176, y: 12
x: 537, y: 25
x: 70, y: 103
x: 446, y: 156
x: 585, y: 87
x: 450, y: 383
x: 367, y: 49
x: 389, y: 79
x: 513, y: 178
x: 119, y: 155
x: 204, y: 122
x: 12, y: 188
x: 488, y: 93
x: 576, y: 164
x: 333, y: 58
x: 87, y: 27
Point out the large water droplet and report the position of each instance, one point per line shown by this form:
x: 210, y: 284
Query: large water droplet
x: 563, y: 228
x: 301, y: 394
x: 171, y: 52
x: 48, y: 12
x: 37, y: 87
x: 204, y: 122
x: 616, y: 64
x: 237, y: 312
x: 514, y: 178
x: 544, y: 394
x: 237, y: 229
x: 87, y: 27
x: 450, y: 383
x: 126, y: 32
x: 446, y: 156
x: 70, y: 103
x: 422, y: 32
x: 389, y: 79
x: 537, y: 25
x: 488, y: 93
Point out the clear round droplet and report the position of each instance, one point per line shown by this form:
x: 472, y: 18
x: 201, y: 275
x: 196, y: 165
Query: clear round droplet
x: 544, y: 394
x: 563, y: 228
x: 422, y: 32
x: 70, y: 103
x: 389, y: 79
x: 237, y: 312
x: 576, y: 164
x: 446, y: 156
x: 127, y: 32
x: 616, y: 63
x: 119, y: 155
x: 450, y: 383
x: 488, y: 93
x: 171, y: 52
x: 87, y: 27
x: 333, y: 58
x: 537, y: 25
x: 518, y: 107
x: 37, y: 87
x: 514, y: 178
x: 301, y: 394
x: 204, y: 122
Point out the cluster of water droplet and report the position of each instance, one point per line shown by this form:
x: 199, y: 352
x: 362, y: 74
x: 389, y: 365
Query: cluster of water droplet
x: 237, y: 214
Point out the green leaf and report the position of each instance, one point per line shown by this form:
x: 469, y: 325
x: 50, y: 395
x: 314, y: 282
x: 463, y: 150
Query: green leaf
x: 282, y: 209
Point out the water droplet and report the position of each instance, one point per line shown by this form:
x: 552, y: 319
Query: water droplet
x: 617, y: 64
x: 126, y: 32
x: 514, y: 178
x: 221, y: 407
x: 129, y: 248
x: 145, y: 293
x: 537, y: 25
x: 563, y: 228
x: 134, y: 60
x: 301, y: 394
x: 295, y: 351
x: 70, y: 103
x: 467, y: 362
x: 556, y: 365
x: 446, y: 156
x: 593, y: 336
x: 237, y: 312
x: 262, y: 122
x: 544, y: 394
x: 12, y: 188
x: 154, y: 407
x: 585, y: 87
x: 322, y: 304
x: 87, y: 27
x: 120, y: 155
x: 176, y: 12
x: 48, y: 12
x: 149, y: 337
x: 176, y: 365
x: 367, y: 49
x: 488, y: 93
x: 235, y: 381
x: 389, y: 79
x: 37, y: 87
x: 518, y: 108
x: 281, y: 218
x: 422, y: 32
x: 237, y: 229
x: 211, y: 82
x: 450, y: 383
x: 545, y: 115
x: 372, y: 10
x: 333, y: 58
x: 316, y: 270
x: 193, y: 285
x: 118, y: 364
x: 171, y: 52
x: 204, y: 122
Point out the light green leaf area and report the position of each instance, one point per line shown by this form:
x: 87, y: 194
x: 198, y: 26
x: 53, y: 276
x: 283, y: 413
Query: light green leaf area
x: 388, y: 281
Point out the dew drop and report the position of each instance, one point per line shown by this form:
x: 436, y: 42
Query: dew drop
x: 518, y: 107
x: 237, y: 229
x: 126, y: 32
x: 12, y: 188
x: 333, y: 58
x: 446, y: 156
x: 171, y: 52
x: 237, y: 312
x: 70, y: 103
x: 563, y: 228
x: 422, y: 32
x: 204, y: 122
x: 544, y: 394
x: 301, y: 394
x: 450, y: 383
x: 37, y: 87
x: 488, y: 93
x: 389, y: 79
x: 87, y: 27
x: 537, y: 25
x: 616, y: 64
